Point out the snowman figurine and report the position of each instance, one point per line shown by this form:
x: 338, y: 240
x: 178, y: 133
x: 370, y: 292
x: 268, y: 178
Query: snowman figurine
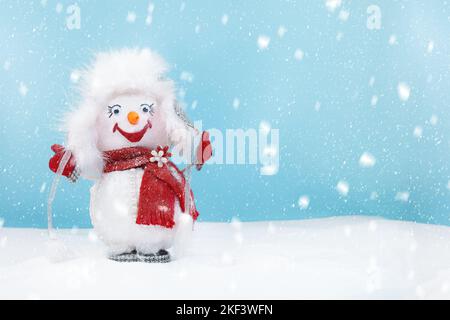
x: 121, y: 136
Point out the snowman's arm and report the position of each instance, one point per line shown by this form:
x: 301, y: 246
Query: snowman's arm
x: 70, y: 169
x: 203, y: 153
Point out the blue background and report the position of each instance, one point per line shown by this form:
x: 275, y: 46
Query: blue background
x: 317, y: 148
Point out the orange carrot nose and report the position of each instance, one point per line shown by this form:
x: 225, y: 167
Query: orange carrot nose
x: 133, y: 118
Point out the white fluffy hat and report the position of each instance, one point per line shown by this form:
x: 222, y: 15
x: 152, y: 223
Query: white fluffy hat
x: 111, y: 74
x: 125, y: 70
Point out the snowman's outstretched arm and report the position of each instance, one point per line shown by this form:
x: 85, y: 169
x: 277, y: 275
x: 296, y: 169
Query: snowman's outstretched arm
x: 204, y: 150
x: 202, y: 154
x: 70, y: 170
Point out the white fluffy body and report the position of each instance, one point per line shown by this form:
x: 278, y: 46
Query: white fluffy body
x: 129, y: 78
x: 113, y: 211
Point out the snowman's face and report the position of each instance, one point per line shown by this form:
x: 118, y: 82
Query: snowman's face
x: 129, y: 121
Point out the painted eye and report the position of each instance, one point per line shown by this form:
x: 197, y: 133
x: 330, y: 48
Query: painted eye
x: 114, y: 110
x: 147, y: 108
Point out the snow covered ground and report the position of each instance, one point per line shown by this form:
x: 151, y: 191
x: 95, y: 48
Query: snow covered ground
x: 351, y: 257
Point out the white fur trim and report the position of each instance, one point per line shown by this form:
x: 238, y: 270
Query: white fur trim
x: 128, y: 69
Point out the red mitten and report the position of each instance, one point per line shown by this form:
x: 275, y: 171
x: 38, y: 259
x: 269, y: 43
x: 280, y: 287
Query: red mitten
x: 204, y: 150
x: 70, y: 168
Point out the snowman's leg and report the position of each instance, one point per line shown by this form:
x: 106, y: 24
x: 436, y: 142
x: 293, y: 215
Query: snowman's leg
x: 162, y: 256
x: 122, y: 253
x: 125, y: 257
x: 150, y: 255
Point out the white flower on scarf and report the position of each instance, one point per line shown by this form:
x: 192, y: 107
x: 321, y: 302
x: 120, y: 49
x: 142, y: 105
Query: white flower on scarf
x: 159, y: 157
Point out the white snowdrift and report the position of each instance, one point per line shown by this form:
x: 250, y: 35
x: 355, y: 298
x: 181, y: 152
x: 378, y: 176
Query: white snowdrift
x: 326, y: 258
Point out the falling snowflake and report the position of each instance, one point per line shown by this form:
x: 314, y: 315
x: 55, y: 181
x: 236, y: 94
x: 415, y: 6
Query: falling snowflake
x: 317, y: 106
x: 263, y: 42
x: 163, y: 208
x: 43, y: 187
x: 448, y: 185
x: 393, y: 39
x: 23, y: 89
x: 402, y: 196
x: 343, y: 188
x: 403, y: 91
x: 59, y: 7
x: 332, y: 5
x: 151, y: 8
x: 131, y: 17
x: 75, y: 76
x: 92, y: 236
x: 271, y: 229
x: 303, y: 202
x: 374, y: 276
x: 413, y: 246
x: 299, y: 54
x: 225, y: 19
x: 270, y: 151
x: 343, y: 15
x: 367, y: 160
x: 281, y: 31
x: 373, y: 225
x: 236, y: 103
x: 418, y: 132
x: 374, y: 101
x: 420, y: 292
x: 374, y: 195
x: 187, y: 76
x: 434, y: 120
x: 182, y: 92
x: 269, y: 170
x: 2, y: 222
x: 238, y: 238
x: 3, y: 241
x: 197, y: 29
x: 347, y: 231
x: 7, y: 65
x: 430, y: 47
x: 236, y: 224
x: 444, y: 288
x: 371, y: 81
x: 264, y: 127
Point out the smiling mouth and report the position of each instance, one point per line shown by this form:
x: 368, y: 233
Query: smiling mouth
x: 133, y: 136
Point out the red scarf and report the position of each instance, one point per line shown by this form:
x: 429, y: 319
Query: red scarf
x: 162, y: 183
